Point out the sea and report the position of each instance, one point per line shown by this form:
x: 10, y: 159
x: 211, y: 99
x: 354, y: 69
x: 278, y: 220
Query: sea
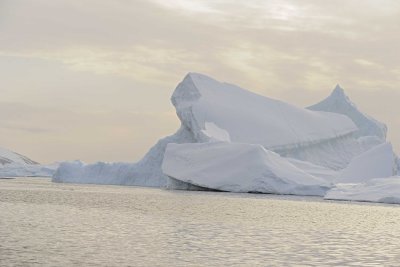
x: 52, y: 224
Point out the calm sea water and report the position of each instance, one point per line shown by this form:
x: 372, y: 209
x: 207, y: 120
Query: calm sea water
x: 48, y: 224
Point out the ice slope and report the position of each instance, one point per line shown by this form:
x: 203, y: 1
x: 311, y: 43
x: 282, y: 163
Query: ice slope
x: 251, y: 118
x: 10, y: 157
x: 378, y: 162
x: 236, y: 167
x: 383, y: 190
x: 339, y: 102
x: 146, y: 172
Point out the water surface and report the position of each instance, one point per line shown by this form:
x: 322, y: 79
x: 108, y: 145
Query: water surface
x: 48, y: 224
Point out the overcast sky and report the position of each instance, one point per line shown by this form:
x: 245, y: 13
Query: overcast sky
x: 91, y: 79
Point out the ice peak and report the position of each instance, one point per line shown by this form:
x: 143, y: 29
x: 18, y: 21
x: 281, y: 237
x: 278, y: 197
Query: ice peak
x: 338, y: 92
x: 197, y: 76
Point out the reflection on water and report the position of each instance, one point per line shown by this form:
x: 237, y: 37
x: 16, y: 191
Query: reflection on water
x: 63, y: 224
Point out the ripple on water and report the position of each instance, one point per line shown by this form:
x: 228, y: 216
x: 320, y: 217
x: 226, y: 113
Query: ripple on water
x: 42, y: 223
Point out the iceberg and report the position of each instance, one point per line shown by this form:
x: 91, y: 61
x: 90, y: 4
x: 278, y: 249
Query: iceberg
x: 13, y: 164
x: 236, y: 167
x: 339, y: 102
x: 213, y: 111
x: 10, y: 157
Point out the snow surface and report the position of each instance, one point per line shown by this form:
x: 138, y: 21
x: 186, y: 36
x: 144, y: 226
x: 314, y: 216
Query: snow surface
x: 236, y: 167
x: 378, y: 162
x: 339, y: 102
x: 383, y: 190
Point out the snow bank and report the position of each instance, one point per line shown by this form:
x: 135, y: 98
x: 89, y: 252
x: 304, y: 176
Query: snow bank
x: 382, y: 190
x: 378, y: 162
x: 339, y: 102
x: 238, y: 167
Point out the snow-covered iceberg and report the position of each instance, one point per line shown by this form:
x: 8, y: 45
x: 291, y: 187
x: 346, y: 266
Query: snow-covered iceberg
x: 236, y: 167
x: 210, y: 110
x: 383, y: 190
x: 339, y: 102
x: 10, y: 157
x: 231, y: 139
x: 13, y: 164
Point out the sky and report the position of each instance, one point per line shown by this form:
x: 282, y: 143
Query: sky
x: 92, y: 79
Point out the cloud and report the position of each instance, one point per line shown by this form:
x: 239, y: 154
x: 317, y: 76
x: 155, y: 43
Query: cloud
x: 81, y: 66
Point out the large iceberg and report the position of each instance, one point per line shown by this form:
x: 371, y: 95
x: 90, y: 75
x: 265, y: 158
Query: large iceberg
x: 210, y: 110
x: 237, y: 167
x: 339, y: 102
x: 231, y: 139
